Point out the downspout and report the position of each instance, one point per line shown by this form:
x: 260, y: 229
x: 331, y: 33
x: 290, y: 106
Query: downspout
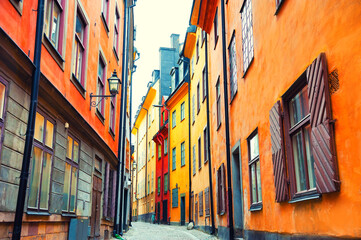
x: 168, y: 158
x: 136, y: 171
x: 146, y: 160
x: 123, y: 114
x: 226, y: 114
x: 189, y: 147
x: 209, y: 139
x: 130, y: 147
x: 31, y: 124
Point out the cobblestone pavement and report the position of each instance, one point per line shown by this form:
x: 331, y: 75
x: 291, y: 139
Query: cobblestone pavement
x: 141, y: 230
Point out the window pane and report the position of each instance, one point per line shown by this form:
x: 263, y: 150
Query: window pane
x: 49, y: 135
x: 254, y: 147
x: 47, y: 18
x: 299, y: 106
x: 69, y: 148
x: 310, y: 159
x: 66, y: 188
x: 79, y: 27
x: 299, y: 162
x: 74, y: 181
x: 45, y: 181
x: 2, y: 99
x: 253, y: 173
x: 166, y: 146
x: 35, y: 177
x: 259, y: 188
x: 39, y: 127
x: 159, y: 151
x: 55, y: 26
x: 76, y: 152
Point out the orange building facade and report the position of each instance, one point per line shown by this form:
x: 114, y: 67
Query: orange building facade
x: 292, y: 155
x: 73, y: 169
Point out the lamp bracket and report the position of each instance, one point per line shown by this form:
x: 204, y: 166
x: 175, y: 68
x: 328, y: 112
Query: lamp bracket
x: 95, y: 103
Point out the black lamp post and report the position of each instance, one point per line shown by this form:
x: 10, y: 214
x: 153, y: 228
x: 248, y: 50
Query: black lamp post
x: 113, y: 83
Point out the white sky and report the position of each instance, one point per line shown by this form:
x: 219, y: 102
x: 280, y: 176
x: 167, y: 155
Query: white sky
x: 155, y: 21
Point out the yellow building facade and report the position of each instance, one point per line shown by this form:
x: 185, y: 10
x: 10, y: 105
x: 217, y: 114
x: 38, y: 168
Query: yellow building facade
x: 177, y: 103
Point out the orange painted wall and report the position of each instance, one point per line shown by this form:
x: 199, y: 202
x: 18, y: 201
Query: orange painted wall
x: 21, y: 28
x: 284, y: 46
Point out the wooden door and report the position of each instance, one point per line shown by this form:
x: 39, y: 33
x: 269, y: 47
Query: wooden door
x: 183, y: 210
x: 96, y: 205
x: 165, y: 211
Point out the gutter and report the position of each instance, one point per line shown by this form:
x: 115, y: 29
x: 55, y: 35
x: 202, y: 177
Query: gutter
x: 226, y: 114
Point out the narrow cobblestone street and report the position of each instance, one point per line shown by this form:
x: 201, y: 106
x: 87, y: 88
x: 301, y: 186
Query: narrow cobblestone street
x: 141, y: 230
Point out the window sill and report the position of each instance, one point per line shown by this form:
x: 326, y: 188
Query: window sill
x: 105, y: 23
x: 100, y: 116
x: 204, y: 98
x: 182, y: 120
x: 34, y: 213
x: 111, y: 132
x: 249, y: 65
x: 68, y: 215
x: 215, y: 42
x: 78, y: 85
x: 183, y: 165
x: 309, y: 195
x: 233, y: 97
x: 279, y: 7
x: 53, y: 52
x: 256, y: 207
x: 218, y: 127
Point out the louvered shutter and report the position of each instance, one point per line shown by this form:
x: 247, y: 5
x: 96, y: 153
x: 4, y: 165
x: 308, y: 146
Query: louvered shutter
x: 114, y: 193
x: 206, y: 200
x: 278, y: 157
x: 106, y: 192
x: 219, y: 191
x: 201, y: 204
x: 322, y: 129
x: 223, y: 189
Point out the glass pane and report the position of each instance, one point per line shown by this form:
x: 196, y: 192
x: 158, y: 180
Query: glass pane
x: 79, y: 62
x: 49, y: 135
x: 39, y: 127
x: 79, y: 27
x: 47, y: 17
x: 74, y: 181
x: 259, y: 188
x: 310, y: 159
x: 299, y: 106
x: 55, y: 26
x: 254, y: 147
x: 299, y: 162
x: 253, y: 176
x: 76, y: 152
x: 66, y: 188
x: 69, y: 150
x: 100, y: 69
x: 2, y: 99
x: 45, y: 181
x: 35, y: 177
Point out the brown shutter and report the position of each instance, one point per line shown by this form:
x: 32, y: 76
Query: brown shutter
x: 201, y: 204
x: 106, y: 192
x: 206, y: 200
x: 278, y: 158
x: 219, y: 191
x: 322, y: 129
x: 223, y: 179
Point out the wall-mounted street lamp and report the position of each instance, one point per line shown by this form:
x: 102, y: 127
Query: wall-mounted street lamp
x: 113, y: 83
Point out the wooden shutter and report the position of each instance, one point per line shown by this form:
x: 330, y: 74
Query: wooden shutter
x: 219, y: 191
x: 114, y: 193
x: 278, y: 158
x: 106, y: 192
x: 201, y: 204
x: 223, y: 173
x: 322, y: 129
x: 206, y: 200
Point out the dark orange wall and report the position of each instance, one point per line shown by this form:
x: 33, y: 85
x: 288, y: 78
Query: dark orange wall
x: 284, y: 46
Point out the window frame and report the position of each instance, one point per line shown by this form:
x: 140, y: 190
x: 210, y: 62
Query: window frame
x: 183, y: 154
x: 205, y: 143
x: 159, y: 183
x: 279, y: 4
x: 100, y: 109
x: 116, y: 34
x: 105, y: 17
x: 198, y: 98
x: 174, y: 158
x: 165, y: 148
x: 218, y: 103
x: 4, y: 111
x: 182, y: 115
x: 248, y: 31
x: 216, y: 28
x: 204, y: 85
x: 232, y: 55
x: 165, y: 183
x: 174, y: 118
x: 199, y: 153
x: 112, y: 115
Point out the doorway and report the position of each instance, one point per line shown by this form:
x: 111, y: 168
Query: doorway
x: 96, y: 204
x: 165, y: 212
x: 237, y: 191
x: 183, y: 210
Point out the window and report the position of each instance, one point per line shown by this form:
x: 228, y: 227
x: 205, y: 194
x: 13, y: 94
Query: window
x: 112, y: 115
x: 109, y: 191
x: 153, y: 143
x: 203, y: 36
x: 218, y: 94
x: 149, y: 119
x: 192, y: 63
x: 71, y: 175
x: 254, y: 172
x: 105, y: 13
x: 247, y: 34
x: 197, y: 50
x: 221, y: 190
x: 215, y: 28
x: 199, y: 153
x: 233, y: 66
x: 198, y: 99
x: 158, y: 185
x: 159, y: 151
x: 175, y: 197
x: 116, y: 33
x: 182, y: 111
x: 54, y: 23
x: 79, y: 49
x: 3, y: 97
x: 165, y: 146
x: 165, y: 183
x: 193, y: 109
x: 149, y: 151
x: 101, y: 86
x: 174, y: 119
x: 183, y: 154
x: 205, y: 144
x: 200, y: 196
x: 174, y: 161
x: 206, y: 201
x: 148, y: 185
x: 278, y: 5
x: 194, y: 159
x: 41, y: 161
x: 152, y: 185
x: 204, y: 85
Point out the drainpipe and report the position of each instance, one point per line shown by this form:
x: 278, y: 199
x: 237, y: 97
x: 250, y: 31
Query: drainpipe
x: 136, y: 172
x: 226, y: 114
x: 130, y: 148
x: 189, y: 147
x: 209, y: 139
x: 146, y: 159
x: 31, y: 124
